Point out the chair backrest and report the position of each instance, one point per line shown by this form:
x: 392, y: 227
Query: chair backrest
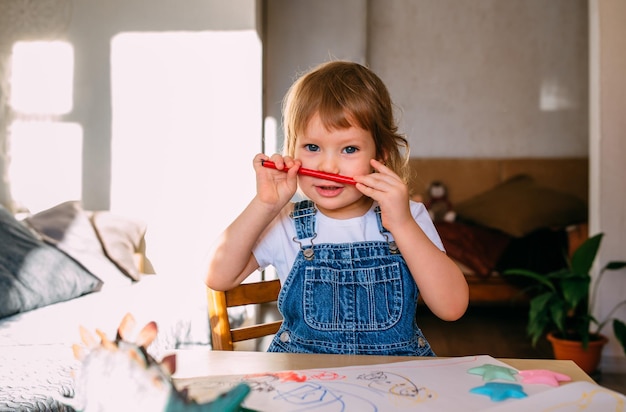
x: 223, y: 336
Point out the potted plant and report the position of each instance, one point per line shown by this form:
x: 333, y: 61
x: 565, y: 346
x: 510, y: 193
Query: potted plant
x: 561, y: 305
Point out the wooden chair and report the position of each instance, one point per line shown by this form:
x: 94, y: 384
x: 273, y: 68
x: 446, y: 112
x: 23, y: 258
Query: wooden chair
x: 223, y: 336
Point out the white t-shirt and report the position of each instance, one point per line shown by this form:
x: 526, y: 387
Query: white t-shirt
x: 276, y: 247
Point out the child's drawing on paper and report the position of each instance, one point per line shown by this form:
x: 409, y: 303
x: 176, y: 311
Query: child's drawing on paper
x: 326, y: 390
x: 396, y: 385
x: 432, y: 385
x: 424, y: 385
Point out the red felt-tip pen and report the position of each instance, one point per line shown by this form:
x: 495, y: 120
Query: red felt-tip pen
x: 314, y: 173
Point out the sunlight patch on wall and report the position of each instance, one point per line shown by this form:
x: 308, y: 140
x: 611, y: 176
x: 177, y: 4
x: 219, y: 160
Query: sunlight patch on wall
x: 554, y: 96
x: 186, y: 125
x: 42, y: 77
x: 46, y: 163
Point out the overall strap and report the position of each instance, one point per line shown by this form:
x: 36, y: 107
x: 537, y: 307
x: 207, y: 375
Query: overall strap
x: 303, y: 216
x: 379, y: 220
x: 393, y: 248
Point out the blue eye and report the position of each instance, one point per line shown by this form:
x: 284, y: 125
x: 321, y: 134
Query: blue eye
x: 350, y: 149
x: 312, y: 147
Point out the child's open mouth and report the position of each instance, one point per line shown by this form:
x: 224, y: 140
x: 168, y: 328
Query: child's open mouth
x: 329, y: 190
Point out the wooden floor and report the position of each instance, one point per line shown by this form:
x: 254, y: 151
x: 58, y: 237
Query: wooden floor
x: 498, y: 331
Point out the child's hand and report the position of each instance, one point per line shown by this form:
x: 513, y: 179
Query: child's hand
x: 275, y: 187
x: 390, y: 192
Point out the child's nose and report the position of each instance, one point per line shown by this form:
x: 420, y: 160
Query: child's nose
x: 329, y: 165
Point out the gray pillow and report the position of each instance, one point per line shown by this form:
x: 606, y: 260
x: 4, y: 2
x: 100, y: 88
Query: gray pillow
x: 34, y: 274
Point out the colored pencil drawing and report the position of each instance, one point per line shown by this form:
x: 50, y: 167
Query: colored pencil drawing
x: 324, y: 390
x: 425, y: 385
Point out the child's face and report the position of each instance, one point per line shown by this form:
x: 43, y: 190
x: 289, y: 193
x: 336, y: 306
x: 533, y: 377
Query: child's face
x: 341, y: 151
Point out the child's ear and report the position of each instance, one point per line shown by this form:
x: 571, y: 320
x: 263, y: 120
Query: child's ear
x: 383, y: 157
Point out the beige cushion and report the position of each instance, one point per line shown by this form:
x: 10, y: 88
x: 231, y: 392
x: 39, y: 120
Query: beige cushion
x: 463, y: 178
x: 468, y: 177
x: 67, y: 227
x: 520, y: 206
x: 122, y: 237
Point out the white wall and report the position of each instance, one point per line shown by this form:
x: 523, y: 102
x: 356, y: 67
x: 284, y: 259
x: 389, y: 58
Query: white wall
x: 485, y: 78
x: 608, y: 149
x: 482, y: 78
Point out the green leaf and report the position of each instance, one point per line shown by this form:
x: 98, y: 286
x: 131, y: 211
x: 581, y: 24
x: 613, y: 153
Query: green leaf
x: 529, y: 274
x: 583, y: 257
x: 537, y: 305
x: 619, y: 328
x: 615, y: 265
x: 536, y: 331
x: 582, y: 328
x: 558, y: 314
x: 576, y: 291
x: 538, y: 320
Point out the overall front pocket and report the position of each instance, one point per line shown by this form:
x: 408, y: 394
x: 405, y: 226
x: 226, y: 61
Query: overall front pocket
x: 364, y: 299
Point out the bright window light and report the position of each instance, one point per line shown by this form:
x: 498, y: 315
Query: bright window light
x: 186, y: 124
x: 46, y: 163
x: 41, y: 80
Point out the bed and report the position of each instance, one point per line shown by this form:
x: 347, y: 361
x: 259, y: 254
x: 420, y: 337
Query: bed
x: 65, y: 268
x: 507, y: 213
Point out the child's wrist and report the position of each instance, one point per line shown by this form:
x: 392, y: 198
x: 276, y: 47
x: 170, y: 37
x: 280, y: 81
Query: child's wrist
x: 270, y: 209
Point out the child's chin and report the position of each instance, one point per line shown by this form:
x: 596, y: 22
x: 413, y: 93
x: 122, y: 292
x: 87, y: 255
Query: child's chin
x: 342, y: 208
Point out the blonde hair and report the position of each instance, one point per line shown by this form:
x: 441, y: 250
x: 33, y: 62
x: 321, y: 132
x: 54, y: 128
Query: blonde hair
x: 346, y: 94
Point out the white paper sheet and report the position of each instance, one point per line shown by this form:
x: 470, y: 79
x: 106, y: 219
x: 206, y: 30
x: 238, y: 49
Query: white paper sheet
x: 575, y: 396
x: 425, y: 385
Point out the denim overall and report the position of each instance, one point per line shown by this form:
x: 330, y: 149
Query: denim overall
x: 350, y: 298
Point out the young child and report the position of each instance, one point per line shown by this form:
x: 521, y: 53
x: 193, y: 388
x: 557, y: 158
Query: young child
x: 352, y: 259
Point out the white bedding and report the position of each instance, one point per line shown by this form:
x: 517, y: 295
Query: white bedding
x: 178, y: 307
x: 35, y: 347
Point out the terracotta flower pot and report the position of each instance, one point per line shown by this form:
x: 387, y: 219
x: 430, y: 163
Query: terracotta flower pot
x: 588, y: 360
